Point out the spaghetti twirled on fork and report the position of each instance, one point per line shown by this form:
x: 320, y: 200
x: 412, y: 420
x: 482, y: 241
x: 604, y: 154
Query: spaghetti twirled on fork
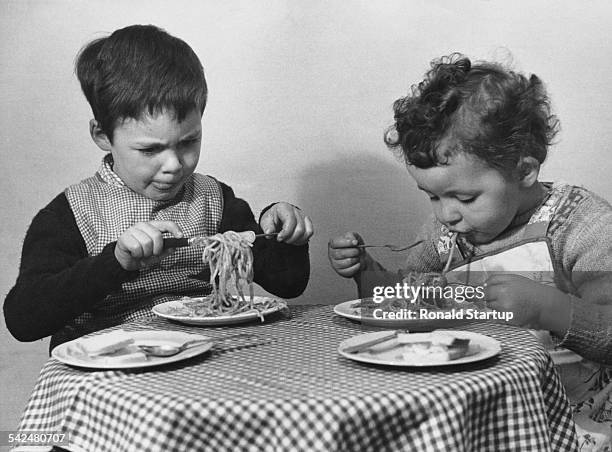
x: 230, y: 260
x: 229, y: 257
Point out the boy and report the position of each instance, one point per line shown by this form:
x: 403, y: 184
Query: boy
x: 94, y: 257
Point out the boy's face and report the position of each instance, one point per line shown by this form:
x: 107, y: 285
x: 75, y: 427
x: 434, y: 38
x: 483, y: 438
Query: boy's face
x: 154, y: 156
x: 470, y: 197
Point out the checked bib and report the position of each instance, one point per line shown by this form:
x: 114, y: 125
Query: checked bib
x: 104, y: 207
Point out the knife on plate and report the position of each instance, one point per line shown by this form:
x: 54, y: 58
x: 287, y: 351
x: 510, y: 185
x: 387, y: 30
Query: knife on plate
x: 370, y: 343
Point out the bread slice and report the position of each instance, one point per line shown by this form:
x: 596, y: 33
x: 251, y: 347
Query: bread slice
x: 105, y: 343
x: 433, y: 338
x: 437, y: 346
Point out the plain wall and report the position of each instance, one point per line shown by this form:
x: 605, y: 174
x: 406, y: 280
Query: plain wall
x: 300, y: 94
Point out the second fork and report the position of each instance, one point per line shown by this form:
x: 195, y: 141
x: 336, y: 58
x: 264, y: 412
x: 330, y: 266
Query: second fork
x: 392, y: 247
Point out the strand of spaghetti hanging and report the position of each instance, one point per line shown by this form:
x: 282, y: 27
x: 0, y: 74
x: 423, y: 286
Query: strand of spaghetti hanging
x: 421, y: 279
x: 450, y: 254
x: 229, y: 258
x: 432, y: 279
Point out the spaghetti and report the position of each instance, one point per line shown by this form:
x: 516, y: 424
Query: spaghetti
x: 433, y: 280
x: 230, y: 260
x: 433, y: 294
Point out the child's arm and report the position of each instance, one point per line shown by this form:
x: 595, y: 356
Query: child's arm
x: 349, y: 261
x: 588, y: 257
x: 532, y: 304
x: 57, y: 279
x: 583, y: 320
x: 280, y: 268
x: 292, y: 225
x: 142, y: 244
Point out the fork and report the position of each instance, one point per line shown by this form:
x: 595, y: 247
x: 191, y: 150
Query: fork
x: 171, y: 350
x: 171, y: 242
x: 392, y: 247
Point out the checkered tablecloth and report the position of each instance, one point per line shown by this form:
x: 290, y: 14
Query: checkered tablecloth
x: 293, y: 391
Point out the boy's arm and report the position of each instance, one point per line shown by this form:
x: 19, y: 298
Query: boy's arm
x: 279, y: 268
x: 57, y: 280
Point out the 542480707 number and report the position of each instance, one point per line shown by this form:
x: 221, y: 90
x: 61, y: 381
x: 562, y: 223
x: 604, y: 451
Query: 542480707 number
x: 33, y: 438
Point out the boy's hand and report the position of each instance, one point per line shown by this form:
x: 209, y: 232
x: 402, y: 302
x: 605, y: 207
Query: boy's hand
x: 292, y: 225
x: 143, y: 244
x: 344, y: 256
x: 534, y: 305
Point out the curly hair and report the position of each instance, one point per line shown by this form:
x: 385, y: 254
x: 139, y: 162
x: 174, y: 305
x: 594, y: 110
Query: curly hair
x: 481, y: 109
x: 140, y: 69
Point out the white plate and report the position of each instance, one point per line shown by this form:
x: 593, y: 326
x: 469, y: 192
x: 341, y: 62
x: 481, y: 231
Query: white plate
x: 165, y: 310
x: 419, y: 323
x: 70, y: 353
x: 390, y: 352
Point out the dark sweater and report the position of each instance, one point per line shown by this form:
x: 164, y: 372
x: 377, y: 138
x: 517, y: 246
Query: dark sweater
x: 59, y: 281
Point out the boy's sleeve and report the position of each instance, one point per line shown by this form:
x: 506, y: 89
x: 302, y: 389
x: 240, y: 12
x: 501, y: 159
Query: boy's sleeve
x: 279, y: 268
x: 57, y: 279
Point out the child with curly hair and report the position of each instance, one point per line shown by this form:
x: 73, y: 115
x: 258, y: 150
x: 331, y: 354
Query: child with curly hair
x: 473, y: 137
x: 95, y: 256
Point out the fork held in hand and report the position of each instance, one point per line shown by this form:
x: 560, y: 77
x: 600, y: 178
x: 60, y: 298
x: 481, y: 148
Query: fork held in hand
x: 172, y: 242
x: 392, y: 247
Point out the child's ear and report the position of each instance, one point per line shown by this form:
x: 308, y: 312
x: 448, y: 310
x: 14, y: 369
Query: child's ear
x: 99, y: 137
x: 528, y: 170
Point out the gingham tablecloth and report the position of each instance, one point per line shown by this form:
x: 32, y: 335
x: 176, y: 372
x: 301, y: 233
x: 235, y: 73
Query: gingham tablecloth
x: 295, y: 392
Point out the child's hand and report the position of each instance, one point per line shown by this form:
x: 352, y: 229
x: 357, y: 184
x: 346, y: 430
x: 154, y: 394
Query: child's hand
x: 344, y: 256
x: 292, y: 225
x: 143, y: 244
x: 534, y: 305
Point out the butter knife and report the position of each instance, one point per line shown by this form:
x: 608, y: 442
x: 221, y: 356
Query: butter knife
x: 367, y: 344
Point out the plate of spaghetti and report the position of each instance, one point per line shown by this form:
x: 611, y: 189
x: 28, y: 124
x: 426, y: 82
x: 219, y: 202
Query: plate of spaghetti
x: 229, y: 257
x: 202, y: 310
x: 403, y: 313
x: 432, y: 305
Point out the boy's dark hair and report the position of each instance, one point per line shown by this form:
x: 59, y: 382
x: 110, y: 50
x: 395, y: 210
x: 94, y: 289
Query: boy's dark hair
x: 140, y: 69
x: 483, y: 109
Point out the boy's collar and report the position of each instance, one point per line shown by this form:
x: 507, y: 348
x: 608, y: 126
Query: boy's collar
x: 106, y: 171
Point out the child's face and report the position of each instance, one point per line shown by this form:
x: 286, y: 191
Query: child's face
x: 470, y: 197
x: 154, y: 156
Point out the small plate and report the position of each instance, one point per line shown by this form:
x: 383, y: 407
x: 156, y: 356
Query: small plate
x: 69, y: 353
x: 390, y: 353
x: 166, y: 309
